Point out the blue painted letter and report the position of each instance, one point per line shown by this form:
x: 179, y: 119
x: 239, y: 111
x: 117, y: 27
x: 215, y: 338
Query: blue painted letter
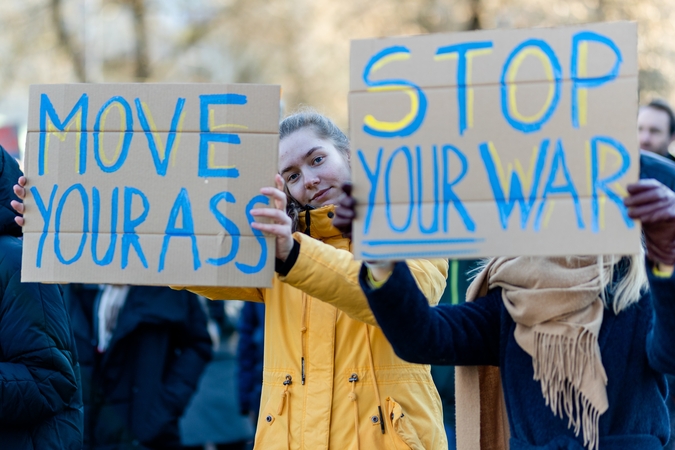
x: 512, y: 183
x: 598, y: 184
x: 206, y: 136
x: 372, y: 177
x: 448, y: 195
x: 110, y: 253
x: 228, y: 225
x: 387, y: 198
x: 85, y: 223
x: 567, y: 188
x: 180, y: 206
x: 578, y: 69
x: 418, y: 101
x: 462, y: 50
x: 46, y: 213
x: 161, y: 165
x: 245, y: 268
x: 130, y: 238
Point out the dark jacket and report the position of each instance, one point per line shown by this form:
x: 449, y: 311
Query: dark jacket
x: 135, y: 392
x: 636, y: 347
x: 657, y: 167
x: 251, y: 328
x: 40, y: 397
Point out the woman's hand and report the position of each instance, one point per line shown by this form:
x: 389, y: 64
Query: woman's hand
x: 345, y: 211
x: 20, y: 191
x: 281, y: 226
x: 653, y: 204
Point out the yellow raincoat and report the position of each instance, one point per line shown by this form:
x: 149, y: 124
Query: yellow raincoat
x: 334, y: 402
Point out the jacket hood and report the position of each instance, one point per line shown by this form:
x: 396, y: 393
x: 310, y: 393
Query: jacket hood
x: 318, y: 223
x: 9, y: 173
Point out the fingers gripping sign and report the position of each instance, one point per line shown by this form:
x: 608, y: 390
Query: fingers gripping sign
x: 654, y: 205
x: 20, y: 191
x: 281, y: 226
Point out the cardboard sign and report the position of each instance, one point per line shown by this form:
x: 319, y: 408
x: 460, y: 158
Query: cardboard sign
x: 495, y: 143
x: 149, y: 184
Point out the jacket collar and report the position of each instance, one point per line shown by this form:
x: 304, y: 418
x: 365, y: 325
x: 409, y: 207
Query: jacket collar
x: 320, y: 223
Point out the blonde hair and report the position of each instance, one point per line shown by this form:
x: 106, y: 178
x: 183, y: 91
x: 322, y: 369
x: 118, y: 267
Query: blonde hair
x: 631, y: 284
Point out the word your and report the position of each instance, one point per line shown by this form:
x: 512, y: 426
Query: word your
x: 52, y: 209
x: 506, y: 189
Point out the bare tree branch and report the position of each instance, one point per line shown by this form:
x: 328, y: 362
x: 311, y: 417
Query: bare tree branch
x: 474, y: 20
x: 142, y: 71
x: 66, y: 41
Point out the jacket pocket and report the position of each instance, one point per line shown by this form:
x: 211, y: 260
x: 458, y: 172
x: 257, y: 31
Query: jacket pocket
x: 274, y: 421
x: 402, y: 427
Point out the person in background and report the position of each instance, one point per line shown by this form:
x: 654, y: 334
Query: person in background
x: 212, y: 420
x: 40, y: 391
x: 655, y: 165
x: 251, y: 328
x: 656, y: 128
x: 142, y: 351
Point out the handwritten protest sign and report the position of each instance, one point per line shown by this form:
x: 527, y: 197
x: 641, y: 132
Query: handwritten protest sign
x: 504, y: 142
x: 149, y: 183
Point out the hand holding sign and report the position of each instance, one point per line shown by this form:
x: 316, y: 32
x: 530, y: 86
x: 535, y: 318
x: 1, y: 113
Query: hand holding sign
x: 20, y: 192
x: 345, y: 211
x: 281, y: 226
x: 653, y: 204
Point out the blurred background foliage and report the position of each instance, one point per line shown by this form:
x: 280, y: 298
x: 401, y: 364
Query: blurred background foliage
x: 301, y: 44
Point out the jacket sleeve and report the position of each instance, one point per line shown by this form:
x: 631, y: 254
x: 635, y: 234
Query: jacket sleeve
x: 466, y: 334
x: 332, y: 275
x: 38, y: 374
x: 225, y: 292
x: 660, y: 339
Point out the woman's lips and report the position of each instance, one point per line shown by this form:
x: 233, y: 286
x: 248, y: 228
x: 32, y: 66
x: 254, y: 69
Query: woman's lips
x: 319, y: 195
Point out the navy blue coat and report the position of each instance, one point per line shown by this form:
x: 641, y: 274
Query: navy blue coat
x: 636, y: 347
x: 40, y: 396
x: 136, y: 391
x: 251, y: 328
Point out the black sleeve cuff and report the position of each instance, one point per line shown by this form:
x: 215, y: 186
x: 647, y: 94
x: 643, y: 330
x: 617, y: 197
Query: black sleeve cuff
x: 283, y: 267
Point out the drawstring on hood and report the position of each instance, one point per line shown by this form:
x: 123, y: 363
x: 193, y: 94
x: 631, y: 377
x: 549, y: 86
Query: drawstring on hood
x: 308, y: 218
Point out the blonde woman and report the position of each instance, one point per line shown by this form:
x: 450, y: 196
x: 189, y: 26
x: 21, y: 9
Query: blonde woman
x: 556, y: 353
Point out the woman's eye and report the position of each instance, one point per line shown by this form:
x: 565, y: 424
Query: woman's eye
x: 292, y: 177
x: 318, y: 159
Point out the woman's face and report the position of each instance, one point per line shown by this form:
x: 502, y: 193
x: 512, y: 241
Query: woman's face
x: 312, y: 168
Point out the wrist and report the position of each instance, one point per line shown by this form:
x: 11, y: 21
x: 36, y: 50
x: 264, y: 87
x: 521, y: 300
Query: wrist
x: 282, y: 267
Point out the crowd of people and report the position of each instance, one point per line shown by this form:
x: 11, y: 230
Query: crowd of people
x: 550, y: 352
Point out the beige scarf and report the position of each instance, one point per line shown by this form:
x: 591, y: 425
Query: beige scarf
x: 558, y: 311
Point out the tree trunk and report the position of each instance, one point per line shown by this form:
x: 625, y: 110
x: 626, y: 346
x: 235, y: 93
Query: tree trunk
x: 66, y: 41
x: 141, y: 41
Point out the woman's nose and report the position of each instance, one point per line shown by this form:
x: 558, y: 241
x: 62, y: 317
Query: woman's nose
x: 311, y: 180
